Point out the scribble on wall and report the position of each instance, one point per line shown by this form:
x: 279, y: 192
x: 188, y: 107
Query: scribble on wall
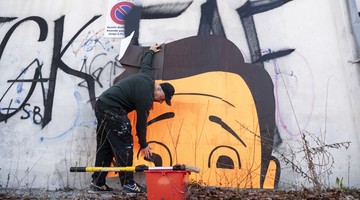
x: 48, y: 82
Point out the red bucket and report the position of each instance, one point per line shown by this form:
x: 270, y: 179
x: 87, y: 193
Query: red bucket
x: 166, y: 184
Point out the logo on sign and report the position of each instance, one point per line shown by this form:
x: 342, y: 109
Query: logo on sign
x: 120, y: 11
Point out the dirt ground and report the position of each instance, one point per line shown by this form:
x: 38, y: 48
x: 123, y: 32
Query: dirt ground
x: 194, y: 193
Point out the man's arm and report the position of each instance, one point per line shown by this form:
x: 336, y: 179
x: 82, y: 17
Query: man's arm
x: 147, y: 58
x: 142, y: 114
x: 141, y: 126
x: 141, y: 130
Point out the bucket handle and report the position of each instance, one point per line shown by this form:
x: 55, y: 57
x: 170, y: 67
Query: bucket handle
x: 172, y: 183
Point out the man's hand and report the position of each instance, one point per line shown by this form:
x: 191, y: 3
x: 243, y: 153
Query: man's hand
x: 155, y: 48
x: 146, y: 152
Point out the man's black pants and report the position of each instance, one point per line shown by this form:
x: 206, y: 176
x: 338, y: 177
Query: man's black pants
x: 114, y: 139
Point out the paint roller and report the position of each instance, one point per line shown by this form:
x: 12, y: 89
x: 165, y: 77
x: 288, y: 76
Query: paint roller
x: 139, y: 168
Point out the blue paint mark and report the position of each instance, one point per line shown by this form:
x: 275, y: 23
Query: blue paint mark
x: 19, y: 88
x: 18, y: 101
x: 77, y: 122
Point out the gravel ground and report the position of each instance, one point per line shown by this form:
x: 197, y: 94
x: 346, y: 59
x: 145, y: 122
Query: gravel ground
x: 194, y: 193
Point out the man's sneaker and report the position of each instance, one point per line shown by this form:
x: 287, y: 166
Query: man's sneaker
x: 96, y: 189
x: 133, y: 189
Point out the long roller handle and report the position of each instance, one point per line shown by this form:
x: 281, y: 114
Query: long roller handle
x: 102, y: 169
x: 139, y: 168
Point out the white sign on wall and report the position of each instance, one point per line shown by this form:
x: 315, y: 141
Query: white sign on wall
x: 115, y: 17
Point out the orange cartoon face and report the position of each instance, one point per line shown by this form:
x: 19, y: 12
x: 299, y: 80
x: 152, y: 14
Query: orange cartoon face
x: 210, y: 125
x: 222, y: 117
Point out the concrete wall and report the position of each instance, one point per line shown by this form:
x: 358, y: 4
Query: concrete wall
x: 52, y: 51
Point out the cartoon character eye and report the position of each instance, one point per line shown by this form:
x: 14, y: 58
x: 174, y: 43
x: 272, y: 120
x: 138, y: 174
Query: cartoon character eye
x: 156, y: 158
x: 224, y: 161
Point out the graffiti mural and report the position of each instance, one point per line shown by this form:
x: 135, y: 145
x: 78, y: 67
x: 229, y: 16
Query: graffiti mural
x: 252, y: 165
x: 250, y: 79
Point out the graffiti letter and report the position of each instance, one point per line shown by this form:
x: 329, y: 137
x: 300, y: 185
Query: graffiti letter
x: 58, y: 63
